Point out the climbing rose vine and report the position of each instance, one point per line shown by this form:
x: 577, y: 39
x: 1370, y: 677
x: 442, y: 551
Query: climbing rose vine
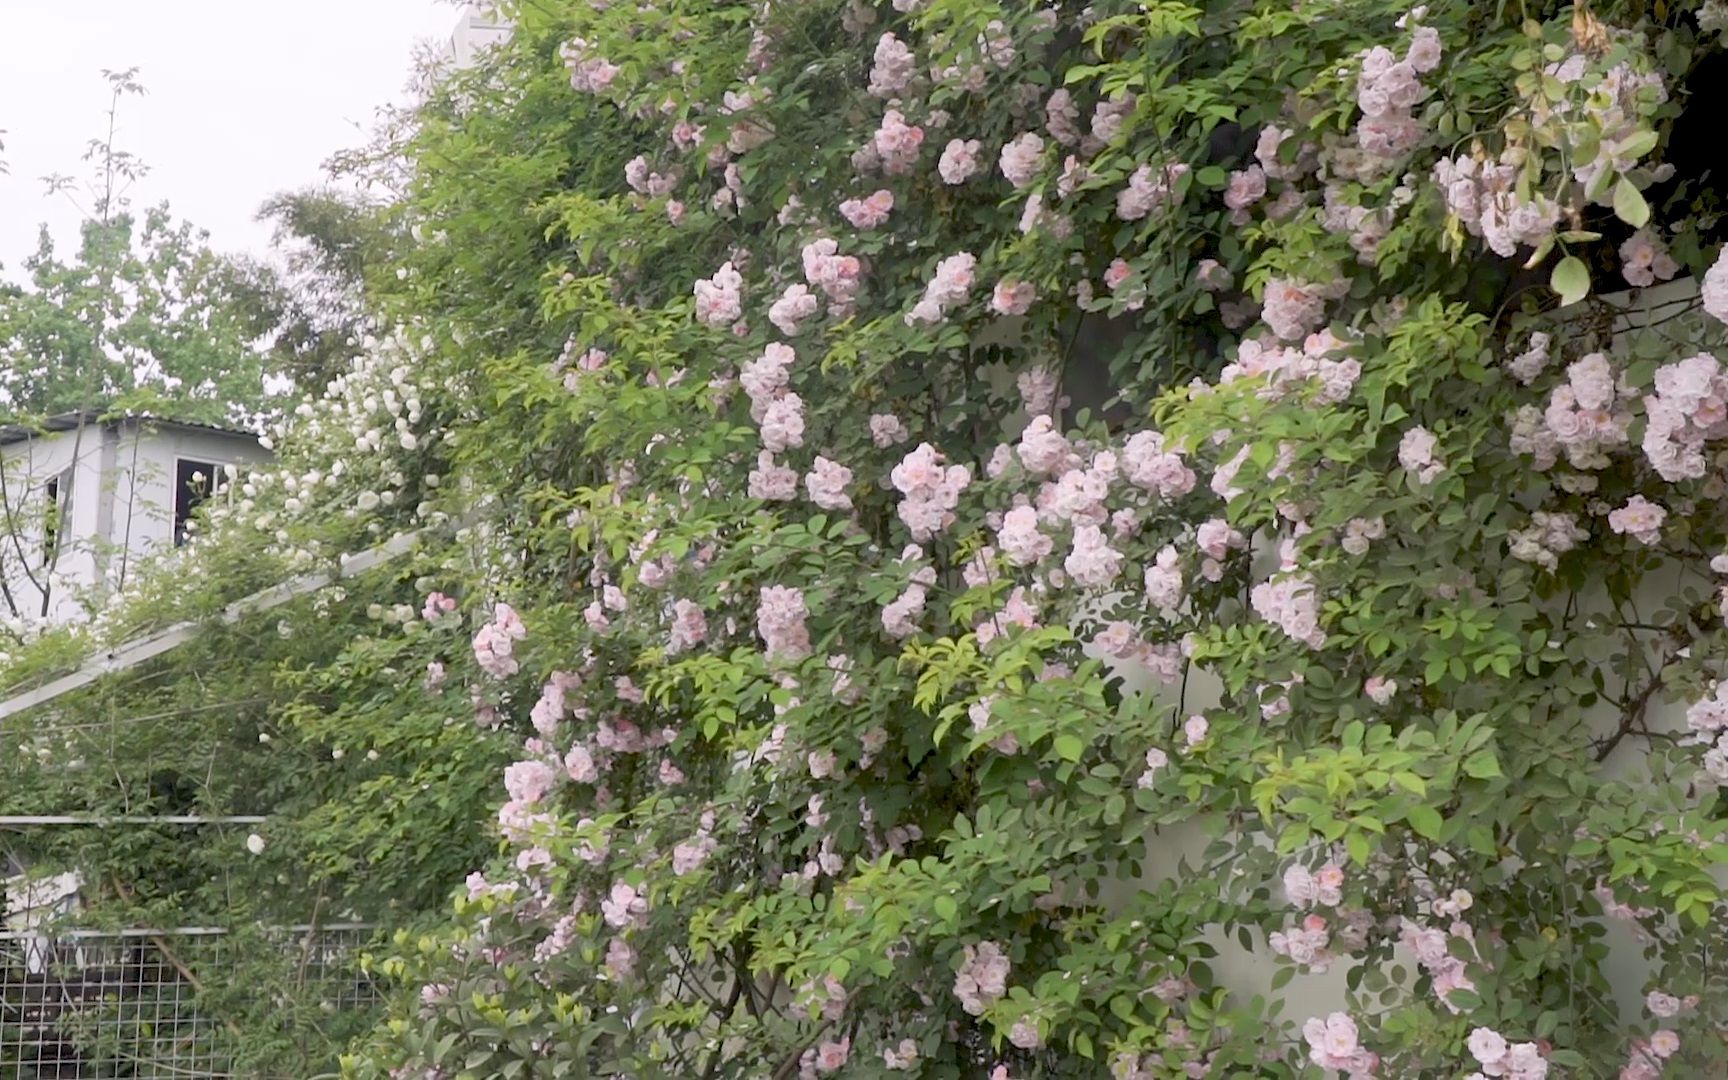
x: 1034, y: 540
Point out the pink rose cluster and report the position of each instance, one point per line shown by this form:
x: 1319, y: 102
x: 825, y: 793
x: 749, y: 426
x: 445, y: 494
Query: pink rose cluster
x: 1483, y: 195
x: 869, y: 212
x: 835, y: 274
x: 1292, y: 604
x: 1318, y: 362
x: 1294, y: 308
x: 1022, y: 158
x: 777, y: 410
x: 1335, y: 1043
x: 1417, y: 457
x: 796, y: 305
x: 720, y: 299
x: 1149, y: 190
x: 1644, y: 260
x: 1388, y: 90
x: 894, y: 67
x: 948, y: 287
x: 1687, y: 408
x: 1498, y: 1057
x: 1586, y: 414
x: 1640, y: 519
x: 1432, y: 948
x: 495, y: 642
x: 1549, y: 536
x: 780, y: 615
x: 1149, y: 464
x: 930, y: 491
x: 896, y: 143
x: 959, y: 161
x: 589, y: 74
x: 983, y: 977
x: 1714, y: 289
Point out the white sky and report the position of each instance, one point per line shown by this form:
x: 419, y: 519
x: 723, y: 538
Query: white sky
x: 246, y: 98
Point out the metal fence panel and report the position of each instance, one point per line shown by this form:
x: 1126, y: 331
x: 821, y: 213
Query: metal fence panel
x: 94, y: 1004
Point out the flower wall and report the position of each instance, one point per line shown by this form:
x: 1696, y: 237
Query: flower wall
x: 863, y: 665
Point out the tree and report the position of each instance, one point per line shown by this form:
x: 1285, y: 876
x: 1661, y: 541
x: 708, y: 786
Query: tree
x: 143, y: 316
x: 330, y: 240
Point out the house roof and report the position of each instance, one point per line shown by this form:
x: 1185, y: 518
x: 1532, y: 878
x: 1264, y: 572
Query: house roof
x: 70, y: 421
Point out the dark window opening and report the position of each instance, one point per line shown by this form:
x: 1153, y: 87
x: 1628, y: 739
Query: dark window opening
x: 52, y: 510
x: 194, y: 481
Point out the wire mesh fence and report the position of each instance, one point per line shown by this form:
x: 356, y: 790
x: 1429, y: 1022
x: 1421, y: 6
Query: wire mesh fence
x: 134, y: 1003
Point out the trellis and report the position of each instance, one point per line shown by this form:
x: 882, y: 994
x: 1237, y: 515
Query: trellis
x: 84, y: 1002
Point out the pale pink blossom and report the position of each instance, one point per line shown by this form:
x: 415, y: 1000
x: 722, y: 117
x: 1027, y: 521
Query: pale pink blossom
x: 1714, y: 290
x: 949, y: 286
x: 780, y: 615
x: 795, y: 306
x: 1416, y: 455
x: 893, y: 69
x: 1021, y: 158
x: 1639, y: 518
x: 959, y: 161
x: 1019, y: 538
x: 870, y: 212
x: 719, y: 300
x: 897, y: 142
x: 1012, y: 297
x: 886, y: 429
x: 771, y: 481
x: 983, y: 977
x: 826, y: 484
x: 1148, y: 190
x: 689, y: 626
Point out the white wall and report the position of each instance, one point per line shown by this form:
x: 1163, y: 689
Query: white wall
x: 25, y: 469
x: 478, y: 29
x: 141, y: 486
x: 119, y: 509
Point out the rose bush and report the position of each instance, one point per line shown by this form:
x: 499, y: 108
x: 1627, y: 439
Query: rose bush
x: 955, y: 451
x: 921, y: 465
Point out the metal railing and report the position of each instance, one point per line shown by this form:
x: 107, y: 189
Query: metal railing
x: 126, y: 1003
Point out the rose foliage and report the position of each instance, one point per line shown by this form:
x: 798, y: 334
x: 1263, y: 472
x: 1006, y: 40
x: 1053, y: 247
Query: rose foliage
x: 1006, y: 539
x: 1004, y: 513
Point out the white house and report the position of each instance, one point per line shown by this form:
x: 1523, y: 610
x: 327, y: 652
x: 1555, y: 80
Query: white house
x: 83, y: 498
x: 478, y: 29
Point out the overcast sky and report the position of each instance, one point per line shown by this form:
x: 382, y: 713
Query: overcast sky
x: 246, y: 98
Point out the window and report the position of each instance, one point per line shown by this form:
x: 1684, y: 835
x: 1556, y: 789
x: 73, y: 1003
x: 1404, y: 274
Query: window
x: 194, y: 481
x: 56, y: 498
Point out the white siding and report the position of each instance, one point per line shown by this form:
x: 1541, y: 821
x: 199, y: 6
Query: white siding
x: 119, y: 509
x: 479, y: 29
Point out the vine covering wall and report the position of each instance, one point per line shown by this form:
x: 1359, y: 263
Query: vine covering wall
x: 824, y: 641
x: 810, y: 583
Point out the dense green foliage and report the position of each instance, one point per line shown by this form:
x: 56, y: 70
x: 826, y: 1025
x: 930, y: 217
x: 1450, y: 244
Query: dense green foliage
x: 1321, y: 628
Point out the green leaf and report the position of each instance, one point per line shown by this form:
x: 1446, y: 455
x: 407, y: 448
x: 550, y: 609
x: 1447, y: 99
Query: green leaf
x: 1483, y: 765
x: 1426, y: 821
x: 1571, y: 280
x: 1637, y: 146
x: 1410, y: 782
x: 1356, y: 843
x: 946, y: 909
x: 1069, y: 747
x: 1212, y: 176
x: 1629, y: 204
